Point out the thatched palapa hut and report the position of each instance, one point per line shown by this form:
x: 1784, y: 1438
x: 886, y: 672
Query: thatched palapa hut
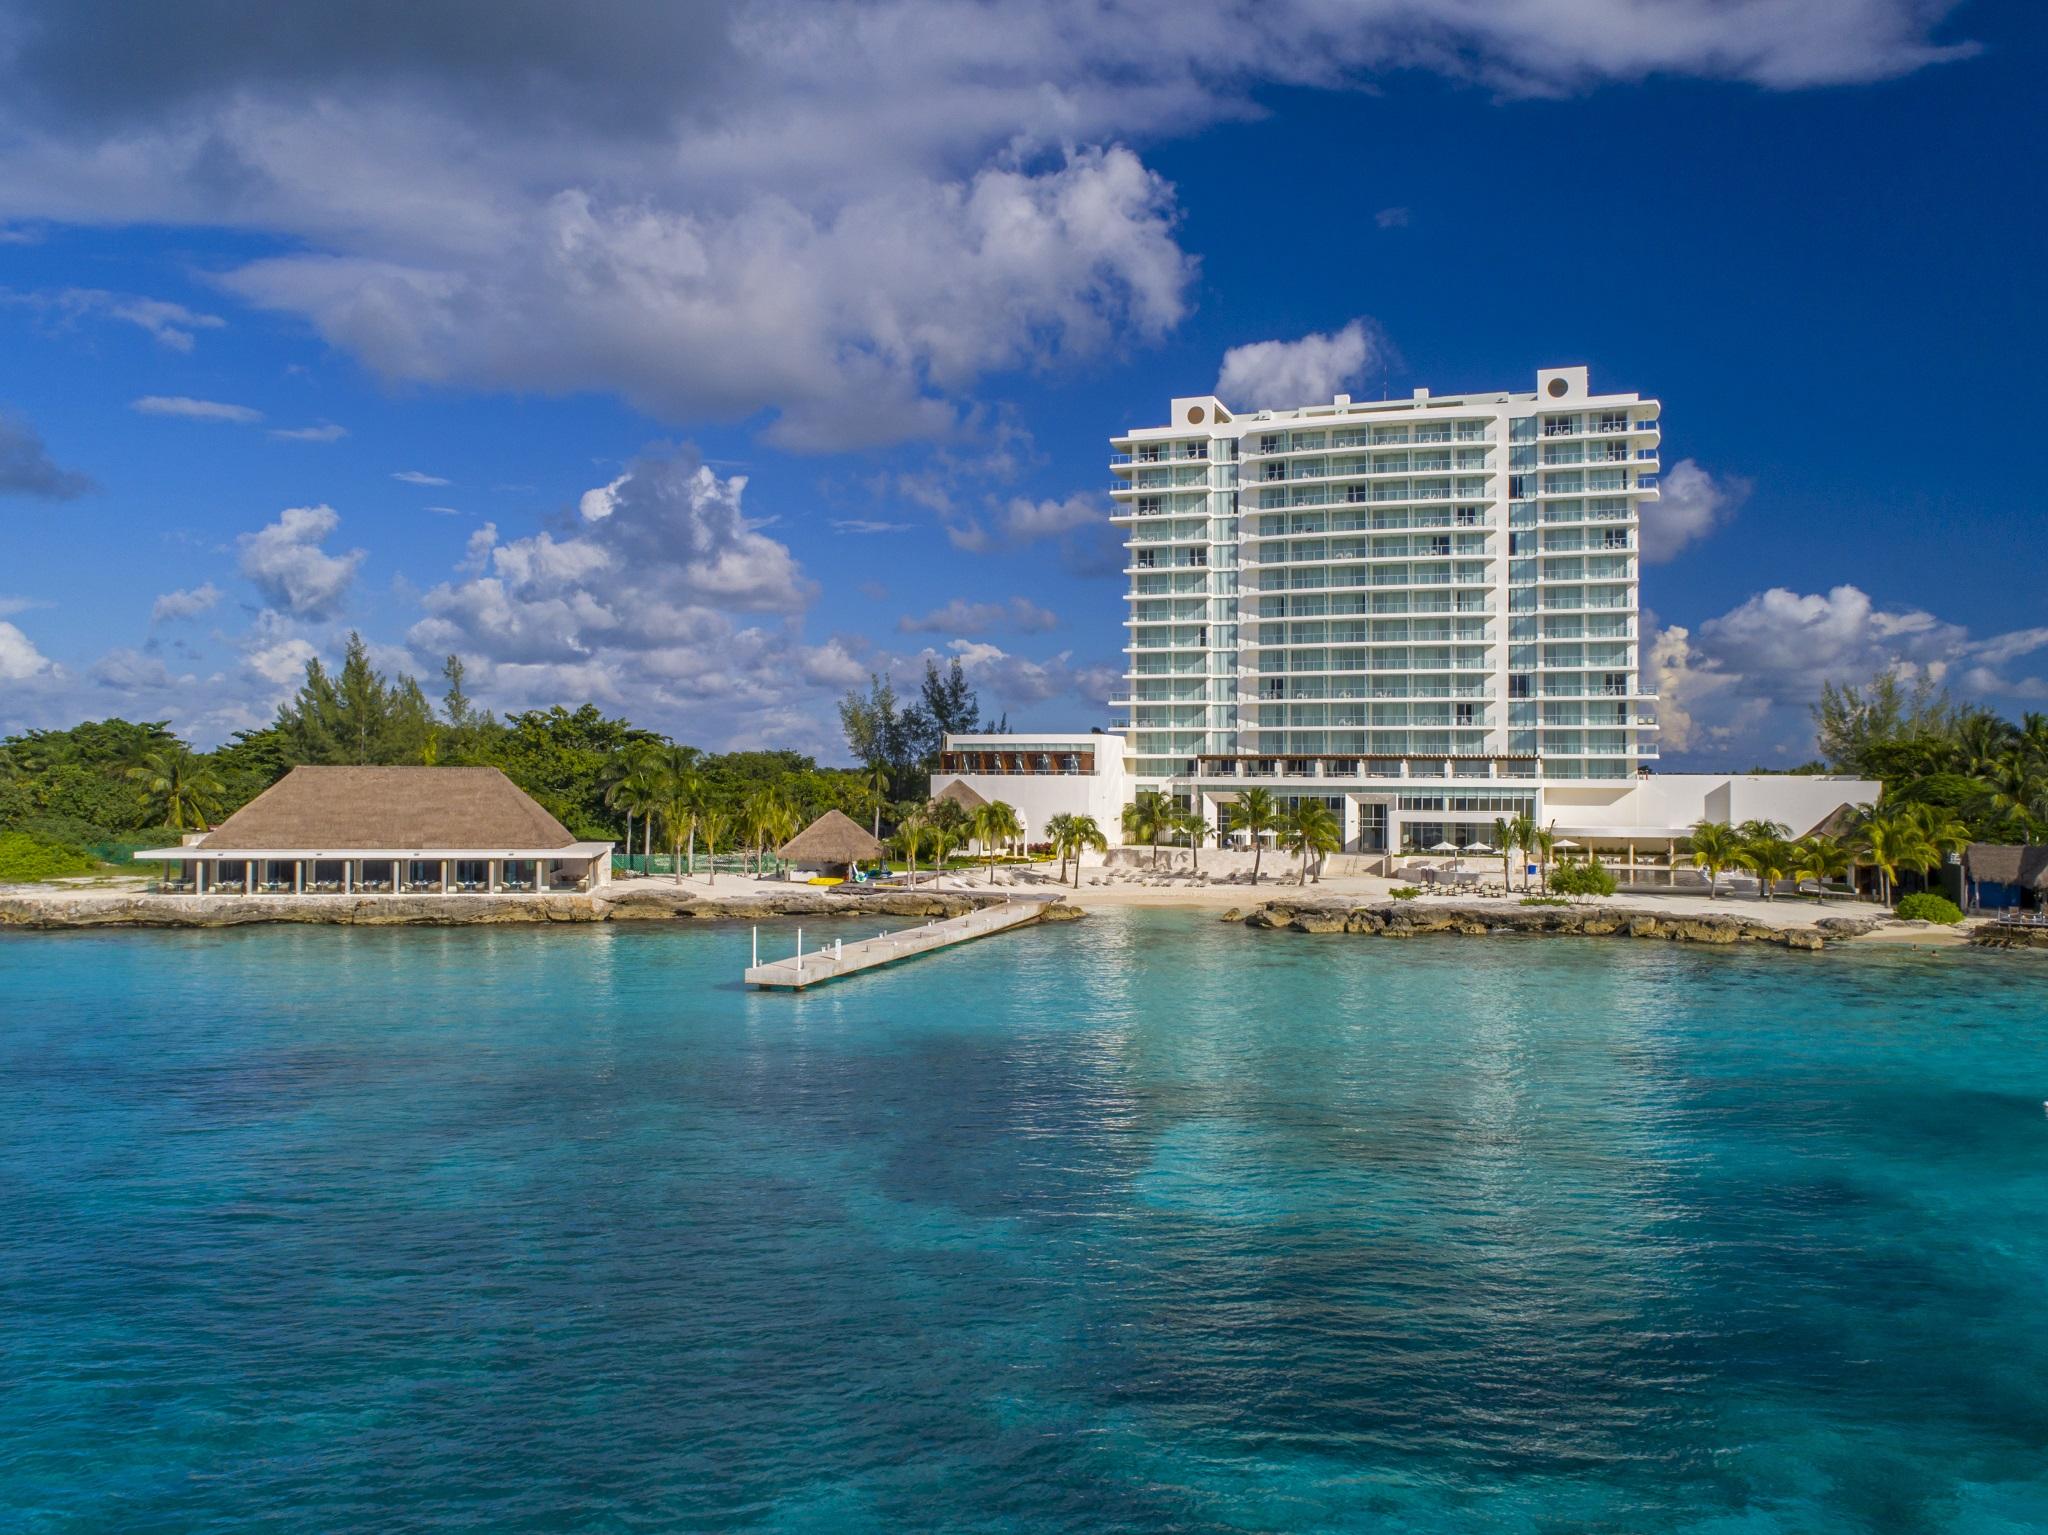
x: 958, y: 793
x: 387, y: 831
x: 833, y: 841
x: 2004, y: 876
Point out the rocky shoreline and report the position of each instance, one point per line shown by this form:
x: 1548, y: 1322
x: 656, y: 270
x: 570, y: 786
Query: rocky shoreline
x: 96, y: 909
x: 1415, y: 919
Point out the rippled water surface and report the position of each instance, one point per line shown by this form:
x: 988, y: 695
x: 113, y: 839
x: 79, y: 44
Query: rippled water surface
x: 1141, y: 1223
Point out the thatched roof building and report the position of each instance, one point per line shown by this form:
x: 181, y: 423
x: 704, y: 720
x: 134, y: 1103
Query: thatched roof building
x: 1996, y: 863
x: 313, y: 809
x: 960, y: 794
x: 833, y: 838
x: 361, y: 830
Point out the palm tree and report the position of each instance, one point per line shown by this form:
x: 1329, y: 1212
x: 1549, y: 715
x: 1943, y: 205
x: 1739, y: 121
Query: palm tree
x: 1192, y: 824
x: 1505, y: 842
x: 874, y: 793
x: 1770, y: 859
x: 1820, y: 858
x: 1892, y: 840
x: 996, y: 822
x: 1147, y: 818
x: 1084, y: 833
x: 1521, y: 835
x: 677, y: 809
x: 621, y: 770
x: 1060, y: 832
x: 1311, y: 828
x: 2017, y: 788
x: 1542, y: 843
x: 948, y: 823
x: 711, y: 822
x: 180, y: 782
x: 1255, y: 812
x: 682, y: 789
x: 911, y: 827
x: 1715, y: 846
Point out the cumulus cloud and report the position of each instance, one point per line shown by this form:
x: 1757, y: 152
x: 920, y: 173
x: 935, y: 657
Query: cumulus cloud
x: 1693, y: 504
x: 195, y: 410
x: 1741, y: 683
x: 184, y: 604
x: 19, y: 658
x: 26, y: 468
x: 841, y: 218
x: 1025, y: 519
x: 326, y: 431
x: 1284, y: 373
x: 960, y: 616
x: 290, y: 568
x: 1020, y: 682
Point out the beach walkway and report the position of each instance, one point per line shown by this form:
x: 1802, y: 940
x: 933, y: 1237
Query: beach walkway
x: 833, y: 960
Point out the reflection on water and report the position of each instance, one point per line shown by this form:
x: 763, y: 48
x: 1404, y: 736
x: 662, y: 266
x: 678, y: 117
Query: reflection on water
x: 1141, y: 1223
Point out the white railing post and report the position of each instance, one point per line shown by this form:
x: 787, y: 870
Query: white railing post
x: 757, y: 948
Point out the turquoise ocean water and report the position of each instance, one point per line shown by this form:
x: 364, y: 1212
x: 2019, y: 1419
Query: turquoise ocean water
x: 1137, y: 1224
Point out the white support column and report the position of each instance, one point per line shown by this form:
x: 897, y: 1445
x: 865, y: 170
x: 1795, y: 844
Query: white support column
x: 248, y: 876
x: 348, y: 876
x: 491, y: 876
x: 447, y: 874
x: 298, y: 876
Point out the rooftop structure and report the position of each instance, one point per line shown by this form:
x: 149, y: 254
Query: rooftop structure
x: 387, y: 830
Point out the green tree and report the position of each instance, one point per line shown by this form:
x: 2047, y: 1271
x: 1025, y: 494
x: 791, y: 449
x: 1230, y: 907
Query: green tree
x: 1193, y: 825
x: 1059, y: 831
x: 995, y: 823
x: 1310, y: 831
x: 179, y: 785
x: 1820, y: 858
x: 1770, y: 858
x: 1147, y: 818
x: 1715, y: 847
x: 1084, y: 834
x: 912, y: 827
x: 1255, y: 814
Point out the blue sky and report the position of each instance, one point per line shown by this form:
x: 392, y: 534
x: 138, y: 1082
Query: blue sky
x: 668, y: 359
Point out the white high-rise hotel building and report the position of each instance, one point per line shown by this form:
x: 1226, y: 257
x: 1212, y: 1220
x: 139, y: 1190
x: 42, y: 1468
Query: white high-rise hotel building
x: 1420, y: 610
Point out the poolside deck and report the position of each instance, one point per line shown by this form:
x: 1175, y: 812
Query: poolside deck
x: 835, y: 960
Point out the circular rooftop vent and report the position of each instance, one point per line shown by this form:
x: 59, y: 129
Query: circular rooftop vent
x: 1557, y: 388
x: 1195, y: 415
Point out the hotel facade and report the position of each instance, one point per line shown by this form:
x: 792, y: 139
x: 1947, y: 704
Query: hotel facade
x: 1424, y: 612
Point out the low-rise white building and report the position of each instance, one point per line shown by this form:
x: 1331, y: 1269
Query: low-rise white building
x: 1041, y: 775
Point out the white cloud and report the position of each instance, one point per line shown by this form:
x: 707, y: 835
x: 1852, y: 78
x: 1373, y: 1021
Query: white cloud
x: 416, y: 477
x: 287, y: 564
x: 327, y: 431
x: 171, y: 324
x: 1283, y: 373
x: 844, y: 217
x: 961, y: 616
x: 446, y: 511
x: 1740, y: 684
x: 867, y: 526
x: 184, y: 604
x: 1693, y: 504
x: 1392, y: 218
x: 1025, y: 519
x: 19, y: 658
x: 1019, y: 682
x: 195, y: 410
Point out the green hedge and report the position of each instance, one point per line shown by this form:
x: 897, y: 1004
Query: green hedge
x: 24, y: 857
x: 1590, y: 878
x: 1926, y: 906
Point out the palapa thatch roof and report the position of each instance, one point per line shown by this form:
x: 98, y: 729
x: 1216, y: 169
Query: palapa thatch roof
x: 958, y: 792
x: 1838, y: 822
x: 832, y: 838
x: 312, y: 809
x: 1997, y: 863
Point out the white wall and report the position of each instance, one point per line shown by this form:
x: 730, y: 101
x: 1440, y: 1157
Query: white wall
x: 1667, y: 803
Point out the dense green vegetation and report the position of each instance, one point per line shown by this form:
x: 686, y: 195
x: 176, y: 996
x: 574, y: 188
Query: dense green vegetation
x: 1588, y: 878
x: 99, y: 788
x: 1926, y: 906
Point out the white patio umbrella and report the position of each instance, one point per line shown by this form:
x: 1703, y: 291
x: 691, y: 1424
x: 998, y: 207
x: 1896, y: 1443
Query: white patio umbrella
x: 1447, y: 846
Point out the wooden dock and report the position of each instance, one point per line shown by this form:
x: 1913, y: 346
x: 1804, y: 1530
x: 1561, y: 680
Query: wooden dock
x: 830, y: 961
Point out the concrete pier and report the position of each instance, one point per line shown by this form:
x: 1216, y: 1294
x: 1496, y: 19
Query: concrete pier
x: 832, y: 959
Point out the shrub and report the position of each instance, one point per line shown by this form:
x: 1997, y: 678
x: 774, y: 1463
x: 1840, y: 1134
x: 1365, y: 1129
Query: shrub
x: 1926, y: 906
x: 25, y: 857
x: 1589, y: 878
x: 1405, y: 892
x: 1544, y: 900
